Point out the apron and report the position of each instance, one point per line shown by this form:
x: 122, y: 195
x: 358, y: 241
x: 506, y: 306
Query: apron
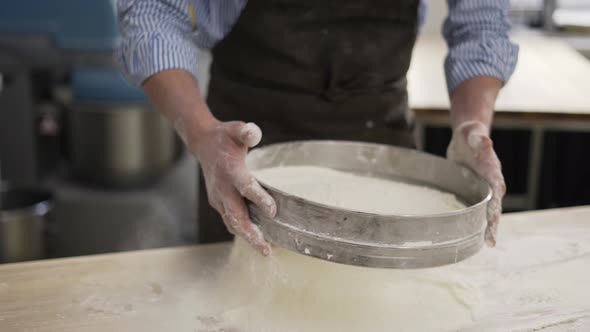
x: 314, y: 69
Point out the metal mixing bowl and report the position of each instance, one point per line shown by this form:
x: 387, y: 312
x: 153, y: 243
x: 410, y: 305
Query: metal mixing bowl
x: 23, y: 214
x: 368, y: 239
x: 120, y: 145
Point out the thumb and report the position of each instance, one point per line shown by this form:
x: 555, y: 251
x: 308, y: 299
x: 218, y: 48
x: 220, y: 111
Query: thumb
x: 248, y: 134
x: 479, y: 141
x: 472, y: 130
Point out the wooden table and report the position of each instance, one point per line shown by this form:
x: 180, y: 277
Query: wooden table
x: 550, y: 89
x: 165, y: 289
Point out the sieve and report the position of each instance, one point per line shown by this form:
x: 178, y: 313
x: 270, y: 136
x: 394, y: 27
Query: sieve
x: 369, y: 239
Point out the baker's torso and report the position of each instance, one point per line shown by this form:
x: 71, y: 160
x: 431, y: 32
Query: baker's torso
x: 318, y: 69
x: 308, y: 69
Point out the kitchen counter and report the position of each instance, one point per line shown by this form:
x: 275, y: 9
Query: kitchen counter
x: 165, y: 289
x: 551, y: 79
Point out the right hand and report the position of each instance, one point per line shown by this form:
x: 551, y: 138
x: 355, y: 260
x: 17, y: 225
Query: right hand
x: 221, y: 150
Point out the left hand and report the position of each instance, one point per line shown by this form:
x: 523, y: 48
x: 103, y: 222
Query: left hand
x: 472, y: 146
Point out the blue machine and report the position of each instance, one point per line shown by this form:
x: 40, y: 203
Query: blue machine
x: 79, y: 36
x: 69, y: 42
x: 70, y: 24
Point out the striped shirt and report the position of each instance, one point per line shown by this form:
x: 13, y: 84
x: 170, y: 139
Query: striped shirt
x: 164, y: 34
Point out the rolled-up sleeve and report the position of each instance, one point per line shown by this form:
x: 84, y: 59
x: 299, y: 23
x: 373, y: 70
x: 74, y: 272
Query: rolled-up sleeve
x: 476, y: 32
x: 156, y: 35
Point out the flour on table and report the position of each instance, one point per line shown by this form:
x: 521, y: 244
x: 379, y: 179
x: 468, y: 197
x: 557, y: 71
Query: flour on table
x: 359, y: 193
x: 536, y: 279
x: 290, y: 292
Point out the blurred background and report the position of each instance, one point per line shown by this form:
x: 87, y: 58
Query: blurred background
x: 89, y: 167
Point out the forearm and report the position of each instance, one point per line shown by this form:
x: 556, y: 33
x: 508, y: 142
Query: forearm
x: 474, y: 100
x: 175, y: 93
x: 479, y: 52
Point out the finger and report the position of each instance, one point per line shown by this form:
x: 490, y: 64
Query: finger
x: 228, y: 226
x: 217, y: 206
x: 490, y: 237
x: 249, y: 188
x: 248, y: 134
x: 473, y: 127
x: 236, y: 214
x: 479, y: 141
x: 250, y: 233
x: 491, y: 232
x: 469, y: 139
x: 251, y: 134
x: 489, y: 167
x: 493, y: 214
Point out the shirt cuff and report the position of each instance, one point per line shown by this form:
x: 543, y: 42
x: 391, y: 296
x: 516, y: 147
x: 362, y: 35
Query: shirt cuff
x: 485, y: 56
x: 147, y: 55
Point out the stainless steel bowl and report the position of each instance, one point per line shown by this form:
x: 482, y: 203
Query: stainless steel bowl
x: 120, y: 145
x: 368, y: 239
x: 23, y: 214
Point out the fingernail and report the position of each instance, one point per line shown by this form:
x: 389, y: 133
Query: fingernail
x: 251, y: 134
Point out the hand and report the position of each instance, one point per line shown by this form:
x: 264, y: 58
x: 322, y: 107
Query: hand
x: 221, y: 150
x: 472, y: 147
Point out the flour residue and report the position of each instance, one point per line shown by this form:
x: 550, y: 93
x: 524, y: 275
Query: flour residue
x: 535, y: 278
x: 358, y: 193
x: 293, y: 292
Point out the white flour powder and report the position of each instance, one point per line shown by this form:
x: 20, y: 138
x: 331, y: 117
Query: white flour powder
x: 358, y: 193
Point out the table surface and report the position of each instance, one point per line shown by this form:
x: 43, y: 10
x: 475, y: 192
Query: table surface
x: 550, y: 78
x: 150, y: 290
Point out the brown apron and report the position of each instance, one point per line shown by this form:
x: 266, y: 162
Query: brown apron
x: 314, y: 69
